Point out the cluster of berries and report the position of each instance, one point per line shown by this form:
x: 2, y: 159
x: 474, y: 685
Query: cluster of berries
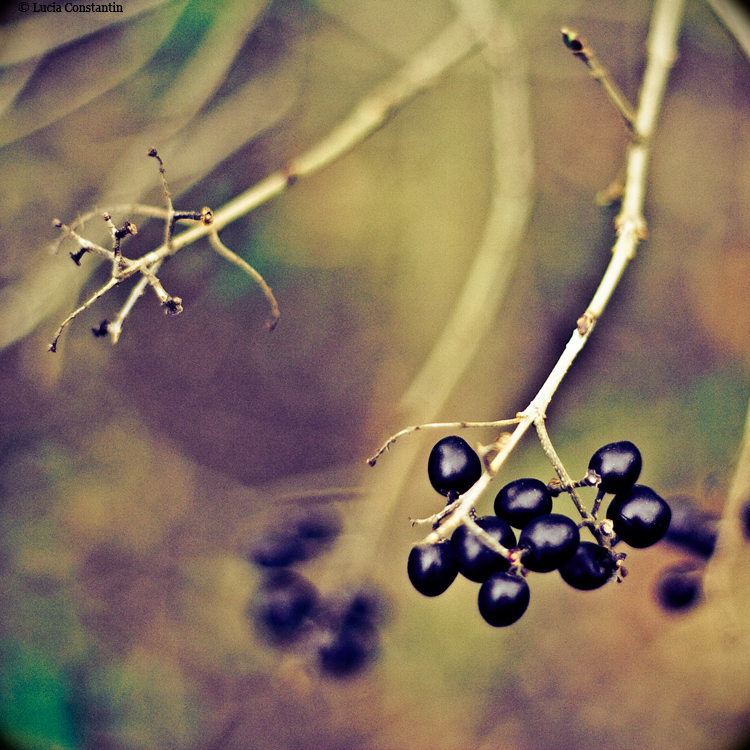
x: 288, y: 611
x: 546, y: 541
x: 679, y: 588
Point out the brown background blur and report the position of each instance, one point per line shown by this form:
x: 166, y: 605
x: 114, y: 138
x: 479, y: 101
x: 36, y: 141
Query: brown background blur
x: 132, y: 476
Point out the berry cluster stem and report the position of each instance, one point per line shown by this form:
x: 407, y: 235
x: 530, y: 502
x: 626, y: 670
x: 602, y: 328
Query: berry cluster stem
x: 631, y: 229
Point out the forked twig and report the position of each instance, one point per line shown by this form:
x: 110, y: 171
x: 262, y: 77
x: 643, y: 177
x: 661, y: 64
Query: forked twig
x: 422, y: 71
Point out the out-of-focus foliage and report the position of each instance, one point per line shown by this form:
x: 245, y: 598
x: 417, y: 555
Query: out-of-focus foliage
x: 132, y: 476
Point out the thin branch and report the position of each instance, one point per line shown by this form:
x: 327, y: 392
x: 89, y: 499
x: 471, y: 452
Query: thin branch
x: 437, y: 426
x: 452, y: 46
x: 112, y: 282
x: 631, y: 227
x: 114, y: 329
x: 486, y: 281
x: 232, y: 257
x: 580, y: 49
x: 422, y: 71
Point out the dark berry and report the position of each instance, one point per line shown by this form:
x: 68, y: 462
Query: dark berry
x: 520, y: 501
x: 283, y: 605
x: 618, y: 465
x: 345, y: 655
x: 503, y: 598
x: 302, y: 538
x: 365, y: 610
x: 548, y: 541
x: 316, y: 531
x: 453, y: 466
x: 590, y: 567
x: 691, y: 528
x: 432, y: 567
x: 639, y: 516
x: 679, y: 588
x: 745, y: 520
x: 476, y: 561
x: 277, y: 549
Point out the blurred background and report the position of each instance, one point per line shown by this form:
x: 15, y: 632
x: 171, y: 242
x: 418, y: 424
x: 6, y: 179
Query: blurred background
x: 136, y: 477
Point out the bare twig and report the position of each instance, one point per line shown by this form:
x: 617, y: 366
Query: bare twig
x: 421, y: 72
x: 580, y: 49
x: 631, y: 229
x: 485, y: 284
x: 437, y: 426
x: 225, y: 252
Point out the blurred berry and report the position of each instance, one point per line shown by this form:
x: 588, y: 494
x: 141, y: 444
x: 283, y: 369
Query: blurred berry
x: 283, y: 606
x: 691, y: 528
x: 679, y: 588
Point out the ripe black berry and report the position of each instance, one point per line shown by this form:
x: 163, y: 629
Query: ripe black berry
x: 283, y: 605
x: 476, y: 561
x: 590, y: 567
x: 548, y: 541
x: 691, y: 528
x: 679, y: 588
x: 521, y: 500
x: 432, y: 568
x: 503, y: 598
x: 453, y: 466
x: 618, y: 465
x: 639, y: 516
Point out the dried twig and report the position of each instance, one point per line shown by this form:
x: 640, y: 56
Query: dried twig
x: 631, y: 229
x: 421, y: 72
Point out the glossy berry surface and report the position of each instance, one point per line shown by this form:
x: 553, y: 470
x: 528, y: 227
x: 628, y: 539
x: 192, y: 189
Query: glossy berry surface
x: 503, y: 598
x: 691, y: 528
x: 283, y: 605
x: 548, y: 541
x: 639, y: 516
x: 521, y: 500
x: 453, y: 466
x: 590, y: 567
x: 679, y: 588
x: 476, y: 561
x: 618, y: 465
x: 432, y: 568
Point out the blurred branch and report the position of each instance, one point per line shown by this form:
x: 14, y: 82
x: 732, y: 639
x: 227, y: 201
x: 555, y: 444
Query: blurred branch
x: 719, y: 577
x: 421, y: 72
x: 737, y: 20
x: 486, y: 282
